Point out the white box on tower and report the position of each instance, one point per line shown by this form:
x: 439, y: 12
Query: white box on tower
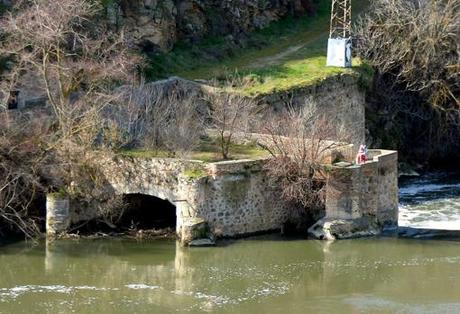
x: 339, y: 52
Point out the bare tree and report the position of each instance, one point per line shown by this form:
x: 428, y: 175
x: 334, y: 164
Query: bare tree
x: 229, y: 112
x: 417, y: 41
x: 183, y: 126
x: 77, y: 63
x: 22, y: 157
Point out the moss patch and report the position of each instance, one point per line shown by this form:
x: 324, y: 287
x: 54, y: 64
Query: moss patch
x: 207, y: 151
x: 210, y: 151
x: 195, y: 172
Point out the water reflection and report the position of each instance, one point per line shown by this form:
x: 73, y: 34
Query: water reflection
x: 263, y: 275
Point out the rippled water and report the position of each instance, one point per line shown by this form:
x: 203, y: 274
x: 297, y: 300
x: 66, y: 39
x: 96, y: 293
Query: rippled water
x: 259, y: 275
x: 431, y: 202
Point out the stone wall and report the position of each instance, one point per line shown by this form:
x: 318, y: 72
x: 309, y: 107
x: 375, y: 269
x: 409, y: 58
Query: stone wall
x: 57, y: 214
x: 388, y: 191
x: 236, y: 199
x: 338, y: 97
x: 361, y: 199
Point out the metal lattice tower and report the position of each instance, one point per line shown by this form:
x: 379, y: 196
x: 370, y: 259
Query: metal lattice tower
x: 340, y: 19
x: 339, y: 47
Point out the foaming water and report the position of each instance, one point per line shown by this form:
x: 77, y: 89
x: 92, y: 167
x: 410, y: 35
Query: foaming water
x: 431, y: 202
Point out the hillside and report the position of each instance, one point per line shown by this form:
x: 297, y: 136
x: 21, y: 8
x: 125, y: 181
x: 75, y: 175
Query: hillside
x: 290, y: 52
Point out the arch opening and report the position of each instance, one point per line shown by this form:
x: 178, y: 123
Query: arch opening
x: 145, y: 212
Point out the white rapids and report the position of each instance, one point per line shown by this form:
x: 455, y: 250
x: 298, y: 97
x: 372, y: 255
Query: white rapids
x: 431, y: 202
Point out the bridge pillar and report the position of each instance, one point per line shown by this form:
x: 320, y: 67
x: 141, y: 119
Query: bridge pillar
x: 57, y: 215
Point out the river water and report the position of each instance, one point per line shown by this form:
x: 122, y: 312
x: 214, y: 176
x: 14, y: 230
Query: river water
x: 258, y: 275
x: 431, y: 201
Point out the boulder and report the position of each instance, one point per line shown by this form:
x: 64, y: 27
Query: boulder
x: 333, y: 229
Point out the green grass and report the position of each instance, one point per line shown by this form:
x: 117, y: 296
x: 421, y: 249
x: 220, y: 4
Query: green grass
x: 289, y: 53
x: 207, y: 151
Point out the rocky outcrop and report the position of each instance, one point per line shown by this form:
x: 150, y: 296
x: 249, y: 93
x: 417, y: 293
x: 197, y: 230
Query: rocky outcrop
x: 156, y: 25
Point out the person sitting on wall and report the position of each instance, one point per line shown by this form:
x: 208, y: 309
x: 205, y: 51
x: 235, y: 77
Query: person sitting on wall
x: 361, y: 158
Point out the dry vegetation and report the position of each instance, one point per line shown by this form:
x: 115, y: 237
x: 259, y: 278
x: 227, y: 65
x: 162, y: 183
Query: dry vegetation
x: 160, y: 118
x: 299, y: 140
x: 414, y: 102
x: 76, y: 64
x: 230, y: 113
x: 79, y: 66
x: 417, y: 41
x: 22, y: 158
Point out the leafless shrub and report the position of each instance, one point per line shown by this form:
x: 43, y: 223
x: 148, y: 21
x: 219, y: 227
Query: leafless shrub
x: 183, y: 126
x: 418, y: 42
x: 160, y: 118
x: 300, y: 142
x: 77, y: 62
x: 21, y: 159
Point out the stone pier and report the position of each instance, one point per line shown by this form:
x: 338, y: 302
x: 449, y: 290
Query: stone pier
x: 57, y: 215
x: 361, y: 200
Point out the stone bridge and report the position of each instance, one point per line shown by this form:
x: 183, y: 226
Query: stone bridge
x: 236, y: 199
x: 233, y: 197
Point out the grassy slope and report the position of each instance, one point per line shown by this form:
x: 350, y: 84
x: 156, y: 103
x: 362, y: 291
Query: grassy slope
x: 292, y: 52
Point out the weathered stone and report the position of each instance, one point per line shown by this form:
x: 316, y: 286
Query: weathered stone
x: 233, y: 198
x: 338, y: 98
x: 157, y: 25
x: 360, y: 200
x: 202, y: 243
x: 195, y: 232
x: 327, y: 229
x: 57, y: 215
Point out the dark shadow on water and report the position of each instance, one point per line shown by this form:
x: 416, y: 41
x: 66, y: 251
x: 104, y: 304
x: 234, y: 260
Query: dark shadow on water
x: 141, y: 212
x: 428, y: 234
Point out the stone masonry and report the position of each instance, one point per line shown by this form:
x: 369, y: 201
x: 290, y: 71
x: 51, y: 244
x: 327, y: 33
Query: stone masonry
x: 338, y: 97
x: 361, y: 200
x: 235, y: 199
